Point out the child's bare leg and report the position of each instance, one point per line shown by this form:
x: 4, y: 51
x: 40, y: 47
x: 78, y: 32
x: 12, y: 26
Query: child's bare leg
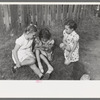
x: 31, y: 62
x: 39, y: 61
x: 36, y: 70
x: 67, y: 61
x: 28, y: 61
x: 50, y: 68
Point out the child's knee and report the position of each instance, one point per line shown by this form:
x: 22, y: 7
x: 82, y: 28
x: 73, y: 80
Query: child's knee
x: 41, y: 55
x: 34, y: 67
x: 33, y: 61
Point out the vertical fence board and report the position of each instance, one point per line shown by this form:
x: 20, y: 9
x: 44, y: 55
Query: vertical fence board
x: 45, y: 13
x: 34, y: 13
x: 59, y: 13
x: 25, y: 15
x: 14, y: 15
x: 75, y: 11
x: 39, y: 14
x: 70, y: 11
x: 6, y: 17
x: 52, y: 15
x: 1, y: 19
x: 65, y: 10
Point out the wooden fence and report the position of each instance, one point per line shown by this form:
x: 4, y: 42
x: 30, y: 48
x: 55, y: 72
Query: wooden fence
x: 22, y: 15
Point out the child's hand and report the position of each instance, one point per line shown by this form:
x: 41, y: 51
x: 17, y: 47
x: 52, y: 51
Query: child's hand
x: 18, y: 65
x: 62, y: 46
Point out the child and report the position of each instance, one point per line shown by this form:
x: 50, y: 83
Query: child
x: 43, y: 50
x: 70, y: 43
x: 22, y: 53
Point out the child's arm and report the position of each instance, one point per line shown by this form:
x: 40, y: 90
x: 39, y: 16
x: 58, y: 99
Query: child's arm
x: 14, y: 52
x: 51, y: 44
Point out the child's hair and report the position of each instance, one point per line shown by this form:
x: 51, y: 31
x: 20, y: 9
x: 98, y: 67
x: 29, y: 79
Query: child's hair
x: 71, y: 23
x: 31, y: 28
x: 44, y: 33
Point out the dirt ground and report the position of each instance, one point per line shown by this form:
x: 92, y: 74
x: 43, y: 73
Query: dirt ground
x: 89, y: 55
x: 92, y: 59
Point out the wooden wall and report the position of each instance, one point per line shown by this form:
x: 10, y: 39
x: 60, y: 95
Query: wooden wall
x: 21, y: 15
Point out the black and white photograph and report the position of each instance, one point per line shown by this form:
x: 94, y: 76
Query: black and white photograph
x: 49, y: 41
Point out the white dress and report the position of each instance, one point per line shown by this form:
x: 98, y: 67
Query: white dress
x: 70, y: 38
x: 25, y: 50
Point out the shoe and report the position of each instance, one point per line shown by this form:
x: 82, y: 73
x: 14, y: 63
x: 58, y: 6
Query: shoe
x: 46, y: 76
x: 14, y: 70
x: 41, y: 77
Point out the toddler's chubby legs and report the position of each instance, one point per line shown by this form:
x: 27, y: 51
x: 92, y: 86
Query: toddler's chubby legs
x: 31, y: 62
x: 50, y: 68
x: 67, y: 60
x: 38, y: 60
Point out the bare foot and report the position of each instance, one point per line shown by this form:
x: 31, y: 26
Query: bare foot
x: 41, y: 68
x: 67, y: 62
x: 50, y: 69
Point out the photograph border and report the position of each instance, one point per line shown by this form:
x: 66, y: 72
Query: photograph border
x: 49, y: 89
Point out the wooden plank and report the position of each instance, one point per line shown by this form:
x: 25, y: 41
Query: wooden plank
x: 9, y: 14
x: 65, y: 11
x: 79, y: 12
x: 50, y: 13
x: 46, y: 13
x: 25, y: 15
x: 59, y: 13
x: 70, y: 11
x: 62, y: 13
x: 53, y: 15
x: 29, y: 14
x: 36, y: 17
x: 2, y: 27
x: 75, y: 11
x: 6, y: 17
x: 22, y: 16
x: 43, y: 12
x: 19, y: 16
x: 14, y: 15
x: 39, y: 14
x: 33, y: 9
x: 93, y: 10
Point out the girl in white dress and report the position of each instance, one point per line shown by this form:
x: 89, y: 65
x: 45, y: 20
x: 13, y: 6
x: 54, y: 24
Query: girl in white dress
x: 22, y: 53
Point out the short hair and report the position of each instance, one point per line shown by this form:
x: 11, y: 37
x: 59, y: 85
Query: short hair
x: 71, y: 23
x: 44, y: 33
x: 31, y: 28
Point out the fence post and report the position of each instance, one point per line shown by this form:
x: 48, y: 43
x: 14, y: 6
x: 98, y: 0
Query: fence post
x: 6, y: 17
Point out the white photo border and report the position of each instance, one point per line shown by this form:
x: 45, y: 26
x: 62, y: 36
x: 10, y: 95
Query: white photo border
x: 50, y: 89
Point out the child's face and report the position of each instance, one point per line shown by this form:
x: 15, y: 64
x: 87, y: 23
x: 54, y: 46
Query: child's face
x: 68, y: 30
x: 31, y: 35
x: 44, y: 40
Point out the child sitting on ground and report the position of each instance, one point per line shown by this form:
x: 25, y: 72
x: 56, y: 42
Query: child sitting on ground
x: 43, y: 50
x: 70, y: 43
x: 22, y: 53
